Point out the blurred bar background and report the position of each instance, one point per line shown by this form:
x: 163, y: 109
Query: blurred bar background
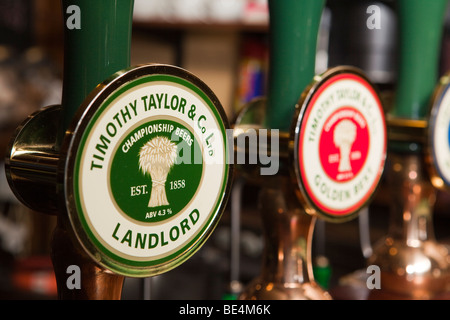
x: 225, y: 43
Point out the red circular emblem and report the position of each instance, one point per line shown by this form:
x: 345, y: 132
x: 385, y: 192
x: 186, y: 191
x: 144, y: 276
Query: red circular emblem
x: 344, y: 144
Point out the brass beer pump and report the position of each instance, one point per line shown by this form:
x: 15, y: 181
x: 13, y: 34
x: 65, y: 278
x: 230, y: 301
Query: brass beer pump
x: 286, y: 267
x: 413, y: 264
x: 289, y: 110
x: 64, y: 161
x: 95, y: 47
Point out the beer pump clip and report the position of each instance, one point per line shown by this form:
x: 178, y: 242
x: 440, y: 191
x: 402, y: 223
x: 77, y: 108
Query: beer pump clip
x: 338, y: 144
x: 437, y: 135
x: 142, y: 170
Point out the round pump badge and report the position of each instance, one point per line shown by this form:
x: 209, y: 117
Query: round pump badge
x: 146, y: 174
x: 439, y: 136
x: 339, y: 143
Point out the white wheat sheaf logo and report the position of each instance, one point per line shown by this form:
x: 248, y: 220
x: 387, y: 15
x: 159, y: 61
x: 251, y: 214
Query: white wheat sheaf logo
x: 157, y: 157
x: 344, y: 136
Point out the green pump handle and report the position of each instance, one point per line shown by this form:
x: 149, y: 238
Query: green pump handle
x: 97, y: 45
x: 97, y: 41
x: 294, y: 27
x: 421, y: 24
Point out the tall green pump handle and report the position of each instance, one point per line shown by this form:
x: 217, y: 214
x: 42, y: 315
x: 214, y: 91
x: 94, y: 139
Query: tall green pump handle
x: 97, y: 39
x: 421, y: 24
x: 294, y: 27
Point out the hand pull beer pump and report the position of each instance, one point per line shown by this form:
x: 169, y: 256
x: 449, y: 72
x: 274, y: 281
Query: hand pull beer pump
x: 413, y: 264
x: 125, y: 162
x: 320, y: 128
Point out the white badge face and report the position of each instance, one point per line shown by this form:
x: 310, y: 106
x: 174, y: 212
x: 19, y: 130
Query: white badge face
x: 150, y: 174
x: 341, y: 145
x: 439, y: 136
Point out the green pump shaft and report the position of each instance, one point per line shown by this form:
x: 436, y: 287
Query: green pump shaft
x: 421, y: 24
x: 97, y: 42
x: 294, y: 27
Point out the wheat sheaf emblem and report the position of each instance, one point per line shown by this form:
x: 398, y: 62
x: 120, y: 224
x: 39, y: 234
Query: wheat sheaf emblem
x: 157, y: 157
